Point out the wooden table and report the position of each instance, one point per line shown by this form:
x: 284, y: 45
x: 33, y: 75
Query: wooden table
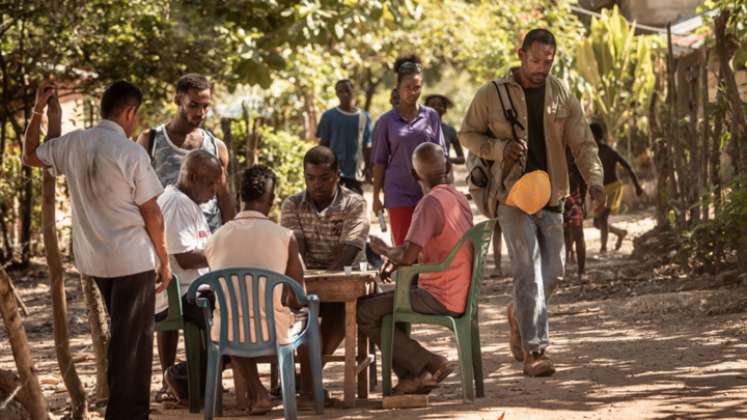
x: 340, y: 287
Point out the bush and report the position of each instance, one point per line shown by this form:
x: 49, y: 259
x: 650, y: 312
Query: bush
x: 283, y: 153
x: 712, y: 242
x: 279, y: 150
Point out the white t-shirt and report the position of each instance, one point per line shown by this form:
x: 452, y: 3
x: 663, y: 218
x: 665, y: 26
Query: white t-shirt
x: 109, y: 176
x: 186, y: 230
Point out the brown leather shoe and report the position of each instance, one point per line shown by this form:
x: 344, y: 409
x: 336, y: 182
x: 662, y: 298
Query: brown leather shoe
x: 537, y: 364
x: 514, y: 340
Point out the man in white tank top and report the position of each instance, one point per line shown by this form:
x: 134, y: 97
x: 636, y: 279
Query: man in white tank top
x: 169, y: 143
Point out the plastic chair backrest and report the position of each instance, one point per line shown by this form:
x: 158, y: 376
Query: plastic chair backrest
x: 233, y: 288
x: 480, y: 236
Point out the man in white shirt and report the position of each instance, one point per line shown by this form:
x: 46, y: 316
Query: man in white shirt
x: 117, y: 229
x: 187, y: 233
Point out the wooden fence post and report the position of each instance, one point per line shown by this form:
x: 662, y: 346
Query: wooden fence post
x: 59, y: 303
x: 98, y: 323
x: 32, y: 397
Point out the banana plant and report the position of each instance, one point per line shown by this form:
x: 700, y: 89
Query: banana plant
x: 618, y: 69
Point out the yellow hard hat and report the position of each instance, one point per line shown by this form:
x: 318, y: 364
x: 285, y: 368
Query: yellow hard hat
x: 531, y: 192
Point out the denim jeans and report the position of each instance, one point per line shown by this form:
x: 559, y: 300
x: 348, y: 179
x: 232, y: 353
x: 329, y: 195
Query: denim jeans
x: 536, y: 248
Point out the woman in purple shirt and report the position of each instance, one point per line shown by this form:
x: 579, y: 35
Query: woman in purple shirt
x: 396, y: 135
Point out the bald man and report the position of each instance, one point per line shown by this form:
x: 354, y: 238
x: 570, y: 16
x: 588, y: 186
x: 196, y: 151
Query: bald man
x: 440, y: 219
x: 187, y: 233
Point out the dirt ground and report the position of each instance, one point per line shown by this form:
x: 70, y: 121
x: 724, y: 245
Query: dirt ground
x: 629, y: 340
x: 627, y: 344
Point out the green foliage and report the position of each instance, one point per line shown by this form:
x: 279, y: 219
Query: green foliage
x: 476, y: 39
x: 736, y: 25
x: 284, y: 153
x: 279, y: 150
x: 487, y: 35
x: 711, y: 242
x: 618, y: 69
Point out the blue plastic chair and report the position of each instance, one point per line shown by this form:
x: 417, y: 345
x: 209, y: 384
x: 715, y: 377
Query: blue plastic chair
x: 230, y: 297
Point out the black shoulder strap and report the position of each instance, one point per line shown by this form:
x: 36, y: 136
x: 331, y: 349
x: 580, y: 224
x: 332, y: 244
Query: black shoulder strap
x: 508, y: 111
x: 152, y: 142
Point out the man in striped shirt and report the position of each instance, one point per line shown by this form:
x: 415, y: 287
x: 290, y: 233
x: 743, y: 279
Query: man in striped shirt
x: 330, y: 223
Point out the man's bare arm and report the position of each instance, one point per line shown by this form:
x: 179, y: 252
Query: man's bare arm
x: 294, y: 270
x: 155, y: 227
x: 144, y: 140
x: 191, y: 260
x: 47, y: 89
x: 54, y: 118
x: 226, y: 202
x: 344, y: 255
x: 405, y: 254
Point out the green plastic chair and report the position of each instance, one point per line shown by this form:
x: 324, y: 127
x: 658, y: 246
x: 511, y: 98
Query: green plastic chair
x: 464, y: 327
x: 231, y: 296
x: 193, y: 342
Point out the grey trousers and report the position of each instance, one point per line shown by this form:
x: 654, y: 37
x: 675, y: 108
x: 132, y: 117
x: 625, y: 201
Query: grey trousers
x: 409, y: 358
x: 537, y: 249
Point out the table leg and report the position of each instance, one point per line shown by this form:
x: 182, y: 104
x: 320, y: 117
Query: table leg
x: 350, y: 362
x: 363, y: 375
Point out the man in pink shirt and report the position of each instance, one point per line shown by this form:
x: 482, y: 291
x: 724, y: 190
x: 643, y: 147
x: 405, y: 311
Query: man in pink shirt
x: 440, y: 219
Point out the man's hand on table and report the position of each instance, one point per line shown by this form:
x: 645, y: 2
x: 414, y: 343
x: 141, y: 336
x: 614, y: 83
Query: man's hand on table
x: 386, y: 270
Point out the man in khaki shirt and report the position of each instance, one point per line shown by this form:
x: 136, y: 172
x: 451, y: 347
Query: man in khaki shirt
x: 551, y: 120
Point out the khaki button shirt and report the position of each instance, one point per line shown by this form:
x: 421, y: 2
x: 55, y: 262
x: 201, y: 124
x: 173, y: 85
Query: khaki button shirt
x: 485, y: 132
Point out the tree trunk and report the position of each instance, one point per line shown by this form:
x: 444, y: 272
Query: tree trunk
x: 3, y: 134
x: 26, y: 208
x: 27, y: 203
x: 725, y: 47
x: 309, y: 105
x: 59, y: 303
x: 631, y: 133
x: 7, y: 254
x: 370, y: 84
x: 97, y: 321
x: 672, y: 131
x: 34, y: 403
x: 716, y: 154
x: 661, y: 162
x: 252, y: 138
x: 12, y: 389
x: 703, y: 174
x: 694, y: 153
x: 233, y: 164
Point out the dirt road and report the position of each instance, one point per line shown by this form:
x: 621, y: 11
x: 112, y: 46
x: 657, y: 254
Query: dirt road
x: 628, y: 344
